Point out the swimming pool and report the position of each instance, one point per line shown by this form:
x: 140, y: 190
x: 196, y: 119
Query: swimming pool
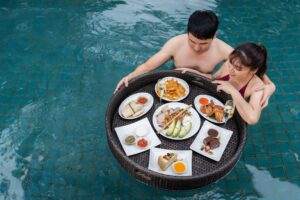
x: 60, y: 62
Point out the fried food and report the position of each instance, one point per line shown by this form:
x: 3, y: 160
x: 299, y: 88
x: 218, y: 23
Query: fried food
x: 173, y: 90
x: 213, y: 109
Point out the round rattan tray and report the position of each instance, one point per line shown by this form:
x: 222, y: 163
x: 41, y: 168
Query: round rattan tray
x: 205, y: 171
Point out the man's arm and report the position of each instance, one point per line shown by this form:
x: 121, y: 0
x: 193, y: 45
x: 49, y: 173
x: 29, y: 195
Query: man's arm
x: 152, y: 63
x: 156, y: 60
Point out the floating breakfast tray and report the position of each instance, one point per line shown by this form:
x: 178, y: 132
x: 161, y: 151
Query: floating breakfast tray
x: 205, y: 170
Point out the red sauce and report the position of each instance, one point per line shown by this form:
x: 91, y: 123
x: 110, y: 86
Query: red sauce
x: 142, y: 143
x: 142, y: 100
x: 203, y: 101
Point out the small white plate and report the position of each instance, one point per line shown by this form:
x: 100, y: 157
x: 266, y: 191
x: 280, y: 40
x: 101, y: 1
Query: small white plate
x: 196, y: 122
x: 124, y: 131
x: 181, y: 81
x: 224, y: 137
x: 184, y: 155
x: 134, y: 97
x: 216, y: 102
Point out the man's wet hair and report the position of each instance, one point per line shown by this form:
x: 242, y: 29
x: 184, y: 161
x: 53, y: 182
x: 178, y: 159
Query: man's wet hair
x: 203, y: 24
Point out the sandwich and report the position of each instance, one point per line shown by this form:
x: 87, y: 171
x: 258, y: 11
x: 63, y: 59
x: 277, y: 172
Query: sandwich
x: 166, y: 161
x: 132, y: 109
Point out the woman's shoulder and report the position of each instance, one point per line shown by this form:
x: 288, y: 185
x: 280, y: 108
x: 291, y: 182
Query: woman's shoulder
x: 256, y: 83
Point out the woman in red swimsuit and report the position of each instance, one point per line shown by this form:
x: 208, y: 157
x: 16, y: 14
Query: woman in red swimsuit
x: 240, y: 76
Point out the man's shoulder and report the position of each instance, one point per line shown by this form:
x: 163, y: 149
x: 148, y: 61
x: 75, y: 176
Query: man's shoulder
x: 176, y: 41
x: 222, y: 47
x: 178, y: 38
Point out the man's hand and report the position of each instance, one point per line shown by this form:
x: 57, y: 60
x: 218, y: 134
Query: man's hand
x: 125, y: 81
x: 268, y: 91
x: 184, y: 70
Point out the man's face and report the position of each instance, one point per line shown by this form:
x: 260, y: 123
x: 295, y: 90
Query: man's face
x: 199, y: 45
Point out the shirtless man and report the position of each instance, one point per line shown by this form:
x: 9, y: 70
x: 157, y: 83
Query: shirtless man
x: 198, y: 51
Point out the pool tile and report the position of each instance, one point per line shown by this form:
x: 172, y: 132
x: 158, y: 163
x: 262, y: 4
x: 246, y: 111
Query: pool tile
x: 278, y: 172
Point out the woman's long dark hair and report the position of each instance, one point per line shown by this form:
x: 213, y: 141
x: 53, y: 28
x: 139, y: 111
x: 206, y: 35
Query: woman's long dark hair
x: 251, y: 55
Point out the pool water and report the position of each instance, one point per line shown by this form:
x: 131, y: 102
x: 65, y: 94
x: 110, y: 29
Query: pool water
x: 60, y: 62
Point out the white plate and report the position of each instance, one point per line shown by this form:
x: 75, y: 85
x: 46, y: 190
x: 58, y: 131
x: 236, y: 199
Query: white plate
x: 134, y: 97
x: 224, y: 137
x: 196, y: 122
x: 184, y: 155
x: 124, y: 131
x: 181, y: 81
x: 216, y: 101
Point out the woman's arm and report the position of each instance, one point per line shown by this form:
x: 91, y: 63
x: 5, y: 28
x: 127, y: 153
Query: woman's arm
x: 269, y: 88
x: 250, y: 112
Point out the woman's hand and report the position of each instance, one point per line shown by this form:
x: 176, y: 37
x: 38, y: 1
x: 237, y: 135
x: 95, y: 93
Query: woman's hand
x: 225, y: 86
x: 125, y: 81
x: 268, y: 91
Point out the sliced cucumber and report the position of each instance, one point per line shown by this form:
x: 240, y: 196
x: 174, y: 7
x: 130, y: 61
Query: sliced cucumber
x: 171, y: 128
x: 177, y: 129
x: 185, y: 129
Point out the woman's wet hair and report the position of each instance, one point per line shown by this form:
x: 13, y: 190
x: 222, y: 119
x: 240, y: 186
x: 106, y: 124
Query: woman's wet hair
x: 251, y: 55
x: 203, y: 24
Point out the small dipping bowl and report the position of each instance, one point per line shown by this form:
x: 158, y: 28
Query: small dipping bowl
x: 179, y: 167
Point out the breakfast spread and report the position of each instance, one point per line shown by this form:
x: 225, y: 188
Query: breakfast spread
x: 173, y: 120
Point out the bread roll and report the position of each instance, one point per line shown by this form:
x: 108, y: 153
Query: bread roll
x: 165, y: 161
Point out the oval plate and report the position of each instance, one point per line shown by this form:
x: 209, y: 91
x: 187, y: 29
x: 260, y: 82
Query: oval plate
x: 196, y: 121
x: 134, y: 97
x: 216, y: 101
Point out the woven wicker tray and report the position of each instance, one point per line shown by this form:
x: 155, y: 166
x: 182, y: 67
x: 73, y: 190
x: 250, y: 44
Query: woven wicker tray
x: 205, y: 170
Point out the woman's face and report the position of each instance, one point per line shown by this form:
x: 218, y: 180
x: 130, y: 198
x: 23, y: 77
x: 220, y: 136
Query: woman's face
x: 236, y: 69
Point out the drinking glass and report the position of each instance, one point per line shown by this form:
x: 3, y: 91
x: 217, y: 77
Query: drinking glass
x: 228, y: 110
x: 161, y: 87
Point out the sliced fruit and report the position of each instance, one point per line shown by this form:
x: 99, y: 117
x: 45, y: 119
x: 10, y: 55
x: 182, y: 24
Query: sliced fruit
x: 185, y: 129
x: 171, y: 128
x: 177, y: 129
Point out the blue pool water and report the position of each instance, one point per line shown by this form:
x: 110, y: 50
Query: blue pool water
x: 60, y: 62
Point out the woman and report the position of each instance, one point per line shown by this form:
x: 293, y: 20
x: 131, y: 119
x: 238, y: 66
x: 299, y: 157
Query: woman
x: 240, y: 76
